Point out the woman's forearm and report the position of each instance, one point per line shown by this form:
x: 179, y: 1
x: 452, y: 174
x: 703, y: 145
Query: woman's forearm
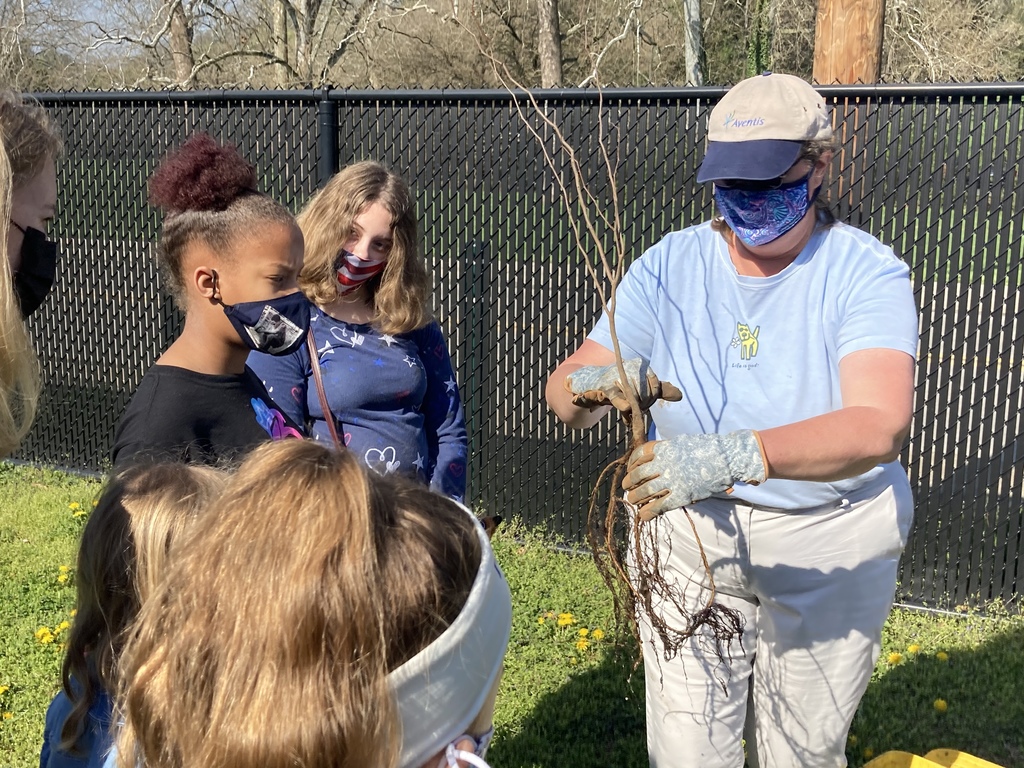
x: 833, y: 446
x: 560, y: 400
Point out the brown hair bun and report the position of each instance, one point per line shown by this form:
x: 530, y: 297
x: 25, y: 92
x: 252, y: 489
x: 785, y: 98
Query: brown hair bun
x: 201, y: 176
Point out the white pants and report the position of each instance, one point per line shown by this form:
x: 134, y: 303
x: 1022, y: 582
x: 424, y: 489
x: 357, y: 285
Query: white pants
x: 814, y: 587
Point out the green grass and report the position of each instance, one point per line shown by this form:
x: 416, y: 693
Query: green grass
x: 559, y: 705
x: 38, y: 534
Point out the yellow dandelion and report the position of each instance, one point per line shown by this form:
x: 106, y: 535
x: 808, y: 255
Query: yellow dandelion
x: 895, y: 658
x: 540, y: 619
x: 942, y: 656
x: 7, y: 715
x: 573, y: 660
x: 64, y: 568
x: 4, y: 689
x: 80, y: 513
x: 582, y: 644
x: 913, y: 648
x: 74, y: 505
x: 565, y: 619
x: 62, y: 626
x: 584, y: 632
x: 868, y: 753
x: 597, y: 634
x: 42, y: 632
x: 940, y: 705
x: 46, y: 638
x: 74, y: 612
x: 62, y: 578
x: 95, y: 502
x: 853, y: 740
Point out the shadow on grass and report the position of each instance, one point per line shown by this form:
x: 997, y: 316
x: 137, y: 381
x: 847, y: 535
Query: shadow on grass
x: 981, y: 688
x: 596, y: 719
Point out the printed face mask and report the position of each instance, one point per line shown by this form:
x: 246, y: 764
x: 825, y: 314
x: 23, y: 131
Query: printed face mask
x: 353, y: 271
x: 38, y: 270
x: 476, y: 757
x: 760, y: 216
x: 276, y: 326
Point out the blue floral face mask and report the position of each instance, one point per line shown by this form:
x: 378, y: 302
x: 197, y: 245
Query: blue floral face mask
x: 758, y: 216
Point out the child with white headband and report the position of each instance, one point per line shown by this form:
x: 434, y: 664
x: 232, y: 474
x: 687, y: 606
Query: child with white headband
x: 323, y: 616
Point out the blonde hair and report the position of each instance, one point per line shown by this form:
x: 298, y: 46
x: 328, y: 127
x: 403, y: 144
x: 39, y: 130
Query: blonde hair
x: 269, y: 643
x: 27, y: 140
x: 122, y: 558
x: 399, y: 294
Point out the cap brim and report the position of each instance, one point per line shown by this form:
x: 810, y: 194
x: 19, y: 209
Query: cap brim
x: 754, y: 160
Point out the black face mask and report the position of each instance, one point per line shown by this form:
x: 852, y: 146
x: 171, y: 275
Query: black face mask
x: 38, y: 269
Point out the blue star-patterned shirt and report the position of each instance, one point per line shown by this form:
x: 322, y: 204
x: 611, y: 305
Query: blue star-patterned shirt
x: 394, y: 398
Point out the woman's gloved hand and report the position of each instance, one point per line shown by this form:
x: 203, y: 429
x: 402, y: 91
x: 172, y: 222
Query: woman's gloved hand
x: 669, y: 474
x: 596, y: 385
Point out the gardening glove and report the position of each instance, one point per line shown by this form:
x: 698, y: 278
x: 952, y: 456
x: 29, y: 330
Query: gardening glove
x: 595, y: 385
x: 669, y: 474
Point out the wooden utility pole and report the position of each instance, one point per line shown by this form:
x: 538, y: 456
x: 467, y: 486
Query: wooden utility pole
x: 848, y: 41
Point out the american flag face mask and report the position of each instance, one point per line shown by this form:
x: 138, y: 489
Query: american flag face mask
x: 352, y: 271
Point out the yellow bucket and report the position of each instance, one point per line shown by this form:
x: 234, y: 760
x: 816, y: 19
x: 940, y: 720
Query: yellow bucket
x: 901, y: 760
x: 950, y: 758
x: 937, y: 758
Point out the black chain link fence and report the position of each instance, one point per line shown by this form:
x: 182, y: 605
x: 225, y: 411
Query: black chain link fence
x: 935, y: 171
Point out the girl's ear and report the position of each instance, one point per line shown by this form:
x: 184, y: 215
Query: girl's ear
x: 204, y: 280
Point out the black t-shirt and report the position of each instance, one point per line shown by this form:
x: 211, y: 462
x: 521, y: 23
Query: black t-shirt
x: 199, y: 418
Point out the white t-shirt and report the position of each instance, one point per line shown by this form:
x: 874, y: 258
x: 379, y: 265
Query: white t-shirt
x: 760, y: 352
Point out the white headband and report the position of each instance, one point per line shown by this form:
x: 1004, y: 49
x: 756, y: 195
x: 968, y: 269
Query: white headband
x: 442, y: 689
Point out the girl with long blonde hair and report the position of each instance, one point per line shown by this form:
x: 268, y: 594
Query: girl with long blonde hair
x: 123, y: 555
x: 325, y: 617
x: 29, y: 147
x: 375, y: 375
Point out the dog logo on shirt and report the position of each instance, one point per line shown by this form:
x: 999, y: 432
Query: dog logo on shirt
x: 747, y: 340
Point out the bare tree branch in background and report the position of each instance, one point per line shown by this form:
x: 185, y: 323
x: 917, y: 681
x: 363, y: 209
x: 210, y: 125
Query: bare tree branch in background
x: 936, y: 41
x: 792, y: 39
x: 36, y: 43
x: 631, y: 21
x: 12, y: 24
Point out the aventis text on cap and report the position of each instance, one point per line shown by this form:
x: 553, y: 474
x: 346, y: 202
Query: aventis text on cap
x: 759, y: 127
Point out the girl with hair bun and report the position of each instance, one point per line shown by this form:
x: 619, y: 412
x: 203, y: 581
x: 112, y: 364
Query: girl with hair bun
x: 367, y: 624
x: 230, y: 257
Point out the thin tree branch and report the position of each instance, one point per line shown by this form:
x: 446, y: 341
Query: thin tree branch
x: 631, y: 18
